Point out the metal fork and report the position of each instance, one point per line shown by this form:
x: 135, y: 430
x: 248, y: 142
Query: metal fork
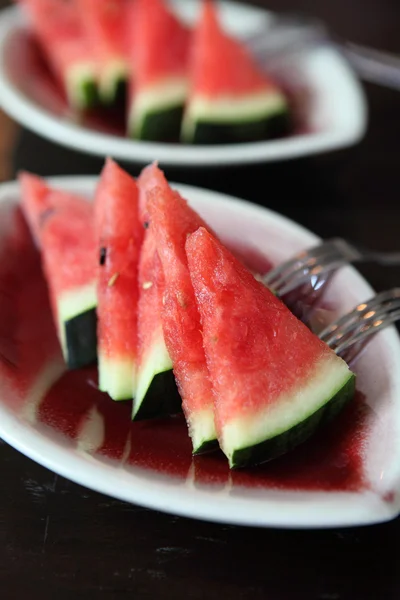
x: 319, y: 262
x: 349, y: 335
x: 290, y: 34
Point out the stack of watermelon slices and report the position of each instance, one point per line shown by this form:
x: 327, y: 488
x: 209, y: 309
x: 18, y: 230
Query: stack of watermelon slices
x: 174, y: 305
x: 199, y: 86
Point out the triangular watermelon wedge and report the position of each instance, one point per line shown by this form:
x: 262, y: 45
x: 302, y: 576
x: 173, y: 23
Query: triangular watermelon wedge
x: 62, y: 225
x: 105, y: 22
x: 231, y: 99
x: 60, y: 31
x: 171, y: 220
x: 156, y: 392
x: 274, y: 381
x: 119, y: 236
x: 159, y: 58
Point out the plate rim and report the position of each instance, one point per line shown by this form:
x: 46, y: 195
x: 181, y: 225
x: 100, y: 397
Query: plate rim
x: 34, y: 117
x: 19, y: 435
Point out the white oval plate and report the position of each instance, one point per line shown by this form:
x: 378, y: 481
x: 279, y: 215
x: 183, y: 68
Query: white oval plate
x: 378, y: 373
x: 335, y: 116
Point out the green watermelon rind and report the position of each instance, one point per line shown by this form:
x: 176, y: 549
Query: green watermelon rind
x: 232, y: 120
x: 269, y: 128
x: 115, y: 95
x: 162, y: 398
x: 82, y: 87
x: 285, y: 441
x: 77, y: 325
x: 81, y: 340
x: 157, y: 394
x: 113, y: 84
x: 156, y: 112
x: 206, y: 446
x: 163, y: 124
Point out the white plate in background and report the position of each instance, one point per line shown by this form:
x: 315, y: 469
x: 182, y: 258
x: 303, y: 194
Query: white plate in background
x: 335, y: 113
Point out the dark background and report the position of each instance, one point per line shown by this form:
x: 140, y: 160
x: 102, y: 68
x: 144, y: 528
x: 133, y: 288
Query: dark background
x: 58, y: 540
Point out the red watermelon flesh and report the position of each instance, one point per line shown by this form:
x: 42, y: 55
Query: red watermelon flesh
x: 68, y: 244
x: 58, y: 221
x: 34, y: 195
x: 105, y: 23
x: 171, y: 220
x: 61, y: 33
x: 151, y: 287
x: 52, y: 212
x: 261, y: 358
x: 119, y: 235
x: 159, y: 44
x: 221, y: 65
x: 150, y: 177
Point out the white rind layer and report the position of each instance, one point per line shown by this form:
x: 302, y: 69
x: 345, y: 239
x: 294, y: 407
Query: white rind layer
x: 229, y: 109
x: 117, y: 377
x: 77, y: 77
x: 157, y: 360
x: 72, y: 303
x: 202, y: 427
x: 168, y: 93
x: 329, y: 377
x: 115, y: 71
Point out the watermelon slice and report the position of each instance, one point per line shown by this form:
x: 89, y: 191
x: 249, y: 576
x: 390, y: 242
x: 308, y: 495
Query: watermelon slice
x: 105, y: 24
x: 274, y: 381
x: 159, y: 50
x: 171, y: 220
x: 62, y: 225
x: 231, y: 100
x: 156, y: 392
x: 119, y: 235
x: 60, y: 32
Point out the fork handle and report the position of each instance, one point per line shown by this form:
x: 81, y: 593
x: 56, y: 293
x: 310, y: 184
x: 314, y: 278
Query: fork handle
x: 386, y: 259
x: 374, y: 66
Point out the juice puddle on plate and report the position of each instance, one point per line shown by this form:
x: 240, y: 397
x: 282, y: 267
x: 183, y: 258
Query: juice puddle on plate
x: 74, y: 407
x: 331, y: 460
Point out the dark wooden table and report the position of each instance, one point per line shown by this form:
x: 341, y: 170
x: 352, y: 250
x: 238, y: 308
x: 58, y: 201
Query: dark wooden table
x: 59, y: 540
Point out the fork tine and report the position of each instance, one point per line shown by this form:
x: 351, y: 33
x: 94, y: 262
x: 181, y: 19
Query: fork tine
x: 361, y: 338
x: 349, y: 335
x: 321, y: 259
x: 302, y: 277
x: 300, y: 271
x: 305, y: 300
x: 355, y: 330
x: 333, y: 244
x: 299, y: 258
x: 308, y: 261
x: 382, y: 302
